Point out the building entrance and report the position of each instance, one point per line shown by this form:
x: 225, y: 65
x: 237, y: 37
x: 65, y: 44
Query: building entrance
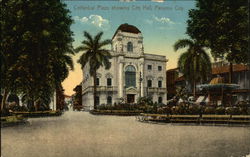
x: 130, y: 98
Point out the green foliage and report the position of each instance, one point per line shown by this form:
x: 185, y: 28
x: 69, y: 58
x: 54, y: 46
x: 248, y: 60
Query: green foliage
x: 233, y: 110
x: 182, y: 93
x: 194, y: 109
x: 223, y: 27
x: 164, y: 110
x: 35, y: 43
x: 145, y: 101
x: 220, y: 110
x: 95, y: 55
x: 209, y: 110
x: 195, y: 63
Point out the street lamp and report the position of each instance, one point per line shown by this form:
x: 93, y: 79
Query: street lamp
x: 140, y: 79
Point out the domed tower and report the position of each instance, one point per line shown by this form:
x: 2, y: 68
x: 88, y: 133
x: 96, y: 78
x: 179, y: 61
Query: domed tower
x: 127, y: 40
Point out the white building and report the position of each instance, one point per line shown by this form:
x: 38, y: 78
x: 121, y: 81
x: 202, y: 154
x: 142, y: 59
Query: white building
x: 133, y: 73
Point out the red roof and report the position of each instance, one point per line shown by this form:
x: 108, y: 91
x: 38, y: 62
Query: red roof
x: 225, y: 68
x: 222, y: 69
x: 127, y: 28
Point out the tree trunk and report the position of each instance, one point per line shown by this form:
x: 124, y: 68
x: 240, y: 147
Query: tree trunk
x: 94, y: 92
x: 3, y: 103
x: 230, y: 79
x: 194, y: 89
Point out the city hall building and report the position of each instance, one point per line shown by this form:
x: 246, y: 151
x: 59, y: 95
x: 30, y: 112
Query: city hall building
x: 133, y: 73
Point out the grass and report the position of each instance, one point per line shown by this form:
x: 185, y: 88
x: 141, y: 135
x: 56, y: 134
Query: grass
x: 12, y: 120
x: 38, y: 113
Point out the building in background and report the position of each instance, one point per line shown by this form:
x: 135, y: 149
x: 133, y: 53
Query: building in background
x: 172, y: 76
x: 133, y: 73
x: 241, y: 76
x: 77, y: 98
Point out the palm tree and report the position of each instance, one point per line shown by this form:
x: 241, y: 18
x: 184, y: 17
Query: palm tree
x: 195, y: 63
x: 95, y: 55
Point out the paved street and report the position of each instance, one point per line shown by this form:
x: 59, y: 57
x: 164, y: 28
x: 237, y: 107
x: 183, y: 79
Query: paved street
x: 80, y: 134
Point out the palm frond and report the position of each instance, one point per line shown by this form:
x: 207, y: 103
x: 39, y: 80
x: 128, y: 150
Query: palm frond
x: 182, y: 44
x: 98, y: 37
x: 68, y: 60
x: 81, y: 48
x: 104, y: 43
x: 84, y: 58
x: 89, y: 37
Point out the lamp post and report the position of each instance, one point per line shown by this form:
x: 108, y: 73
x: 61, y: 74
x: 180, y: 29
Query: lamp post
x: 140, y: 79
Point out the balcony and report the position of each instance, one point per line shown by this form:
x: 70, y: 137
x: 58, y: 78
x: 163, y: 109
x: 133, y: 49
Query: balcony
x: 101, y: 89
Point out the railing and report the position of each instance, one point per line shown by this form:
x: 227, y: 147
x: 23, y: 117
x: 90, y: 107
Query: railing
x: 225, y: 119
x: 101, y: 89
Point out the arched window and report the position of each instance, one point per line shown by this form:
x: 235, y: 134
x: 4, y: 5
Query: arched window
x: 160, y: 84
x: 130, y: 76
x: 109, y: 81
x: 109, y: 100
x: 97, y: 81
x: 130, y: 47
x: 149, y: 83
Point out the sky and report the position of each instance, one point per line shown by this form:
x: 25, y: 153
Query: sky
x: 161, y: 23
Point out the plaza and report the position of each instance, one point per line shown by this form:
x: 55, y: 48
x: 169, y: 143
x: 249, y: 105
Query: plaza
x: 80, y: 134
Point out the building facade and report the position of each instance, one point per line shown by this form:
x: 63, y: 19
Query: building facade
x: 133, y: 73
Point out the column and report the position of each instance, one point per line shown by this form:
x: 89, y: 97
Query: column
x: 120, y: 80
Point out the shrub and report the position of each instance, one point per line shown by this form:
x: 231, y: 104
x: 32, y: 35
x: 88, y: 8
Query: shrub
x: 220, y: 110
x: 167, y: 110
x: 242, y: 104
x: 160, y: 110
x: 232, y: 110
x: 180, y: 109
x: 194, y: 109
x: 248, y: 110
x: 209, y: 110
x: 145, y: 101
x: 243, y: 110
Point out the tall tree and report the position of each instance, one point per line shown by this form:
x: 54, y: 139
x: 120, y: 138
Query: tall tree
x: 95, y: 55
x: 195, y: 63
x: 35, y: 40
x: 223, y: 26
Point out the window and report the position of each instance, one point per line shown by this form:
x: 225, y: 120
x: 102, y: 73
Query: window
x: 97, y: 99
x: 97, y: 81
x: 159, y: 68
x: 109, y: 82
x: 130, y: 76
x: 160, y: 100
x: 149, y: 83
x: 149, y: 67
x: 130, y: 47
x: 159, y: 84
x: 109, y: 100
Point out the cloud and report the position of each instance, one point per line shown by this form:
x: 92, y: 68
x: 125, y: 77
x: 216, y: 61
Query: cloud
x: 164, y: 20
x: 160, y: 1
x: 161, y: 23
x: 127, y: 0
x: 95, y: 20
